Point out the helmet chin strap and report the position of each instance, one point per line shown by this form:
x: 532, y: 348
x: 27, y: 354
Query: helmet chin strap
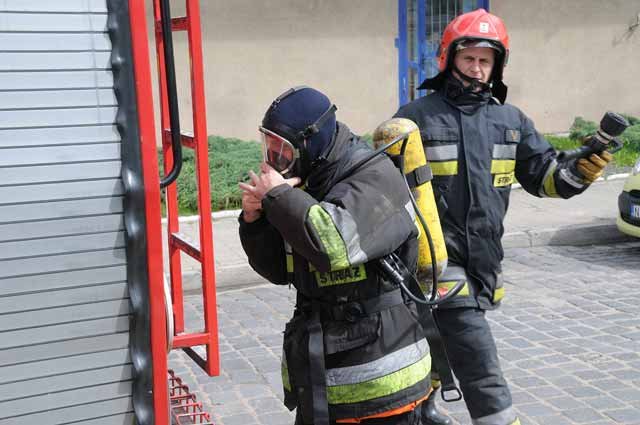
x: 475, y: 85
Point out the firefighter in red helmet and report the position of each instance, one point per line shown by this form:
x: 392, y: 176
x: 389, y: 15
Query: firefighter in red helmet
x: 477, y: 147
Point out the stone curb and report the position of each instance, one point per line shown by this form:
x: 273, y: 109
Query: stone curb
x: 586, y: 234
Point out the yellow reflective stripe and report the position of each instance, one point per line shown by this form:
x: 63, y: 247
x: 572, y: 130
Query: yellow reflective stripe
x: 498, y: 294
x: 549, y: 183
x: 447, y: 168
x: 380, y: 387
x: 502, y: 166
x: 435, y: 384
x: 516, y: 422
x: 449, y: 286
x: 340, y: 277
x: 331, y: 240
x: 284, y: 371
x: 289, y: 263
x: 501, y: 180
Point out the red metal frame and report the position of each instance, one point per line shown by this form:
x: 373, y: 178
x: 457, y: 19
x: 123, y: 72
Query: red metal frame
x: 142, y: 70
x: 177, y: 244
x: 184, y: 405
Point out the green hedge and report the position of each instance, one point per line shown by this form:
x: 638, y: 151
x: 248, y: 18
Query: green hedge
x: 230, y: 159
x: 582, y: 128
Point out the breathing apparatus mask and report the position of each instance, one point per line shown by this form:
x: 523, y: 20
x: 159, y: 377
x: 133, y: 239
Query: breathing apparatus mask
x: 286, y: 144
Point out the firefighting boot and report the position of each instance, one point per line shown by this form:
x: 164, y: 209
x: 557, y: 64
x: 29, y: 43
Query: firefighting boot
x: 430, y: 413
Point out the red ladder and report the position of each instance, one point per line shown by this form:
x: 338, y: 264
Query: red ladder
x: 197, y: 141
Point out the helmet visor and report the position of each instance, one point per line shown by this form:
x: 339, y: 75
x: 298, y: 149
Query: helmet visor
x: 278, y: 152
x: 465, y: 44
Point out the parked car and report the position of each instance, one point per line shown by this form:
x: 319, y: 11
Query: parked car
x: 629, y: 204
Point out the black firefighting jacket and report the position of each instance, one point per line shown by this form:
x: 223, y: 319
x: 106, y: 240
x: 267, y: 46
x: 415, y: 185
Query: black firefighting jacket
x: 324, y: 240
x: 476, y: 151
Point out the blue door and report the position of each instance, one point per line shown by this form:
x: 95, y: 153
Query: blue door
x: 420, y: 26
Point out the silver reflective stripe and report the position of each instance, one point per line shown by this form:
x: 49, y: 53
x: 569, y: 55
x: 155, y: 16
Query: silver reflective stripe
x: 570, y: 178
x: 346, y: 226
x: 412, y: 212
x: 386, y: 365
x: 504, y: 151
x: 503, y: 417
x: 442, y: 153
x: 453, y: 273
x: 287, y: 248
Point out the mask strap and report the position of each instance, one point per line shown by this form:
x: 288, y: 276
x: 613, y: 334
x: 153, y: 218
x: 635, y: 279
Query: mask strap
x: 315, y: 127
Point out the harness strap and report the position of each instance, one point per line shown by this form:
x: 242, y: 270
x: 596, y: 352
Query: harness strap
x: 416, y: 177
x: 439, y: 357
x: 317, y: 370
x: 419, y: 176
x: 355, y: 310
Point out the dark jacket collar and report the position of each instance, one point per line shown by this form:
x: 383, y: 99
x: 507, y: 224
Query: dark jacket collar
x: 498, y: 88
x: 346, y: 149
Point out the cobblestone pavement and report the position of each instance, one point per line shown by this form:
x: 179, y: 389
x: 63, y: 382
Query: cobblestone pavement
x: 568, y: 335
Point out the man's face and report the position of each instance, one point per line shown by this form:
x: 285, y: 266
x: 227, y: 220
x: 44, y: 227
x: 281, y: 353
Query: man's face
x: 475, y: 62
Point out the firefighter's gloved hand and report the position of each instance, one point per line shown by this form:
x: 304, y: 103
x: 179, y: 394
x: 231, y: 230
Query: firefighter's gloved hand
x: 591, y: 168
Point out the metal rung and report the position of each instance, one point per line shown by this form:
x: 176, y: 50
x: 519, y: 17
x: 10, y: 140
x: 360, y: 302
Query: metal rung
x: 182, y: 396
x: 191, y: 249
x: 189, y: 340
x: 179, y: 24
x: 186, y: 138
x: 185, y: 409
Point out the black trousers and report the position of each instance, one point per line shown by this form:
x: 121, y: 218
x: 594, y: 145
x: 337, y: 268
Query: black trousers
x: 409, y: 418
x: 473, y: 357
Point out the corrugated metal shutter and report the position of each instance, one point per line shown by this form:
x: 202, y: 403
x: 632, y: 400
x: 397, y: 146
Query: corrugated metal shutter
x: 64, y: 301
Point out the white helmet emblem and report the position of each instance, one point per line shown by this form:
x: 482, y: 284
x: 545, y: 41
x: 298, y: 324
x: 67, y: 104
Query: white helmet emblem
x: 484, y: 27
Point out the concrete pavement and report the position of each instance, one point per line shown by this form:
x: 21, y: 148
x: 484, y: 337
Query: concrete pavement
x: 568, y: 335
x: 568, y: 331
x: 531, y: 221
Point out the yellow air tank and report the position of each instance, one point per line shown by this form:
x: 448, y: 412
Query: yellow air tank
x: 414, y: 159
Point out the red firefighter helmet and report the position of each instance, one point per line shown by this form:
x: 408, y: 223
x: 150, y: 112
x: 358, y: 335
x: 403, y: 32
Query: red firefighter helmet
x: 478, y: 25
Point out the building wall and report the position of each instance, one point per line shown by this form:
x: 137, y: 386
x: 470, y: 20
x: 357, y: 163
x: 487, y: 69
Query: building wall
x: 254, y: 50
x: 568, y: 58
x: 572, y: 58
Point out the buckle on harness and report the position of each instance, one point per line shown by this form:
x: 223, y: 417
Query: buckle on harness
x: 353, y: 312
x: 455, y: 397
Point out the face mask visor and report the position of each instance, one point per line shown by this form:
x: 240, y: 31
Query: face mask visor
x: 277, y: 151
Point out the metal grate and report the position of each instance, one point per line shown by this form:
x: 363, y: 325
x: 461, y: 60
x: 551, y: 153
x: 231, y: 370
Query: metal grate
x: 421, y: 23
x: 185, y: 408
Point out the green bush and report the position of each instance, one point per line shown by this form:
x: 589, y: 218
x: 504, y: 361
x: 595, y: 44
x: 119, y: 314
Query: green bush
x: 582, y: 128
x: 229, y: 161
x: 631, y: 138
x: 562, y: 143
x: 632, y: 120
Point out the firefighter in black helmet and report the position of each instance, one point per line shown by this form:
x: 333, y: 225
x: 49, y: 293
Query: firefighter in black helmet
x: 353, y: 351
x: 477, y: 147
